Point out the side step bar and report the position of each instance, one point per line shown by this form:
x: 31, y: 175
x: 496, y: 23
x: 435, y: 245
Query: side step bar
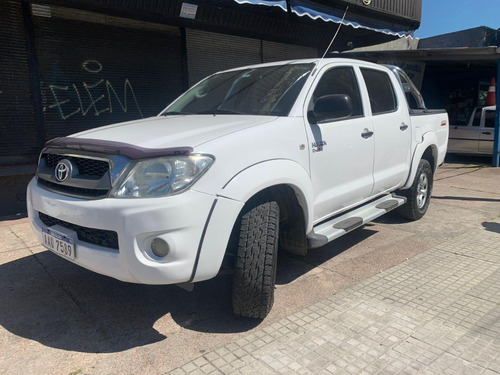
x: 340, y: 225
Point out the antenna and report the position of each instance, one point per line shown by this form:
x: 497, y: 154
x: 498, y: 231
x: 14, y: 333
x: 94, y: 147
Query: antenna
x: 338, y: 29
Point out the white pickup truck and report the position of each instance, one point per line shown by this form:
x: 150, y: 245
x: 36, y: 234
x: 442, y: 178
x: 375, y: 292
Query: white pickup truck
x: 287, y: 155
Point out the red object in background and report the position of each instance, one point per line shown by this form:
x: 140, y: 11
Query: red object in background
x: 491, y: 97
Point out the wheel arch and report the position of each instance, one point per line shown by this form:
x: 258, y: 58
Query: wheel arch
x: 426, y: 150
x: 430, y: 154
x: 273, y: 178
x: 292, y: 233
x: 283, y: 181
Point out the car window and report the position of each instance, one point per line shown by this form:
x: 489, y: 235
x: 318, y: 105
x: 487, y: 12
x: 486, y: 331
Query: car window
x: 489, y: 119
x: 341, y: 81
x: 477, y: 118
x: 380, y: 90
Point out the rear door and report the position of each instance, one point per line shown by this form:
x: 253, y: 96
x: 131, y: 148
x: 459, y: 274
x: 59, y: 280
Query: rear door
x: 391, y: 126
x: 487, y: 131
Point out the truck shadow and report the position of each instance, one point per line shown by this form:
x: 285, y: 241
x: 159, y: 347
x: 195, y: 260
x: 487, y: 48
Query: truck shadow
x: 470, y: 199
x: 49, y: 300
x: 291, y: 267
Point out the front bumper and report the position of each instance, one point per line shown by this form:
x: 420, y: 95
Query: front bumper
x: 181, y: 220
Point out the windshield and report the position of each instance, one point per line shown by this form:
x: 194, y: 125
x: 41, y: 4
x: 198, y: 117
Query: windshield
x: 269, y: 91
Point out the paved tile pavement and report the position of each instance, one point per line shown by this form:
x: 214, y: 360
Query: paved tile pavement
x: 437, y: 313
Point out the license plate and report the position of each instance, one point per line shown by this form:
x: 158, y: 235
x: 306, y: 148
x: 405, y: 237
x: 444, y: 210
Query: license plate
x: 59, y: 243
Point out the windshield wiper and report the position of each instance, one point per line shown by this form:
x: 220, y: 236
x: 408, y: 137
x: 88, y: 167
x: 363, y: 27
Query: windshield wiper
x: 170, y: 113
x: 219, y: 112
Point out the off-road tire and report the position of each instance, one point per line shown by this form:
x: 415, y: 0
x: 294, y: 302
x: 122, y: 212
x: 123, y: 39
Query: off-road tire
x: 255, y: 269
x: 419, y: 195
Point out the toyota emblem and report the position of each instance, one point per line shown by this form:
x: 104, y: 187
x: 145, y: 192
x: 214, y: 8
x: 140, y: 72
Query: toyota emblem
x: 63, y: 170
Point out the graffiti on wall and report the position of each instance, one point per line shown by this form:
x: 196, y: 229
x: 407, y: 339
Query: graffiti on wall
x: 93, y: 98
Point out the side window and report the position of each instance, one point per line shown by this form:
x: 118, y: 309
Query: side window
x: 380, y: 90
x: 489, y: 120
x: 340, y: 81
x: 477, y: 118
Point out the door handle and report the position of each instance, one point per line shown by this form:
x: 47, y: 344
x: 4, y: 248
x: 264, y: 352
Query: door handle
x: 487, y: 133
x: 403, y: 126
x: 366, y: 134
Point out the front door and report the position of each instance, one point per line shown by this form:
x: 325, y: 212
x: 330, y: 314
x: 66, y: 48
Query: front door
x: 341, y: 149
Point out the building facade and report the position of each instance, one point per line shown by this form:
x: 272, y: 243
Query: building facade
x: 69, y: 66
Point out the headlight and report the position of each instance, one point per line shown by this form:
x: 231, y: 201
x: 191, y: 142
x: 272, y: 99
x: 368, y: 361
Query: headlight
x: 162, y: 176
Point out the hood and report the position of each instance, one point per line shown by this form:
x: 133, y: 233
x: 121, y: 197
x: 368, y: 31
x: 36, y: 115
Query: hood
x: 174, y: 131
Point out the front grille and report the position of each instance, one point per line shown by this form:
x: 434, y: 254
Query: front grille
x: 74, y: 191
x: 92, y: 167
x: 89, y: 178
x: 86, y: 167
x: 100, y: 237
x: 52, y: 159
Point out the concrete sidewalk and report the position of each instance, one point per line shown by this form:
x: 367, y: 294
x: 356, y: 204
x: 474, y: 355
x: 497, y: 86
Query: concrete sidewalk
x: 394, y: 297
x: 437, y: 313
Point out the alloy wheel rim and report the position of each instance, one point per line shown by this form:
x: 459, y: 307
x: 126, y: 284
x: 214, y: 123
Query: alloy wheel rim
x: 422, y: 190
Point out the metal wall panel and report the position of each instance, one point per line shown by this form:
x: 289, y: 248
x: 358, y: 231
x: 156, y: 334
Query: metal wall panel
x: 212, y: 15
x: 408, y: 9
x: 211, y: 52
x: 97, y: 70
x: 273, y: 51
x: 18, y: 134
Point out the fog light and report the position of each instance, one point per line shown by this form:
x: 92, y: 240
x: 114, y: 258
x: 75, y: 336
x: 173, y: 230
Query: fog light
x: 160, y: 247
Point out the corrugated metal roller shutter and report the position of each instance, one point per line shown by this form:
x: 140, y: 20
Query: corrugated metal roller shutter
x: 96, y: 70
x: 273, y: 51
x: 212, y: 52
x: 18, y: 134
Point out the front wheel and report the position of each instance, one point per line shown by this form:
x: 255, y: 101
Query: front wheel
x: 255, y: 270
x: 419, y: 194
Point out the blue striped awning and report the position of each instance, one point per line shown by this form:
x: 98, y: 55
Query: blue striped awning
x: 305, y: 8
x: 269, y: 3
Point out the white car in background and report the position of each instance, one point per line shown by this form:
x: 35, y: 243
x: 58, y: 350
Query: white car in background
x: 477, y: 136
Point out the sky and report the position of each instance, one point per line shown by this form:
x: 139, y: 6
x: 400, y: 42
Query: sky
x: 446, y: 16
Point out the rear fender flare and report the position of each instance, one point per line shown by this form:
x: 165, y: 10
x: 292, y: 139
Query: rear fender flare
x: 429, y: 140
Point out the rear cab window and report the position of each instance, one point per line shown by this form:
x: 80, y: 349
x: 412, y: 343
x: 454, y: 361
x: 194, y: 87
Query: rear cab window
x: 413, y: 97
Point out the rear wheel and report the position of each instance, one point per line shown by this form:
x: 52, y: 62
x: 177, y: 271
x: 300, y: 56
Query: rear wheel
x: 419, y: 194
x: 255, y: 270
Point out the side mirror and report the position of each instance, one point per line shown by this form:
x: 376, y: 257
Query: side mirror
x: 331, y: 108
